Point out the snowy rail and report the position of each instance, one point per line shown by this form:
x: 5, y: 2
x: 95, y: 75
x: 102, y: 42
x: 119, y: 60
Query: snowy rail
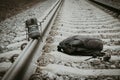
x: 23, y: 66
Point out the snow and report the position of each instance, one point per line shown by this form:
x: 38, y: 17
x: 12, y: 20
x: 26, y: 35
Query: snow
x: 12, y: 30
x: 10, y: 54
x: 79, y: 17
x: 63, y: 70
x: 5, y: 66
x: 14, y: 27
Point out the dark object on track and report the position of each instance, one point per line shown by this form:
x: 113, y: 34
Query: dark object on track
x: 13, y: 58
x: 23, y: 46
x: 107, y: 57
x: 36, y: 76
x: 84, y: 46
x: 32, y: 28
x: 1, y: 49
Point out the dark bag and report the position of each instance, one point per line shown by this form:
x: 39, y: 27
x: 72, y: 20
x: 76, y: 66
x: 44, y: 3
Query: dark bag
x: 80, y: 45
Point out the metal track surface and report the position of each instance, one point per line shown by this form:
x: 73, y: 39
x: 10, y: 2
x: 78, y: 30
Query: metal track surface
x: 76, y: 17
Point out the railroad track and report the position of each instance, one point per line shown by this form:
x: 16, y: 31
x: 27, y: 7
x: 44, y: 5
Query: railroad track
x: 76, y: 17
x: 110, y: 6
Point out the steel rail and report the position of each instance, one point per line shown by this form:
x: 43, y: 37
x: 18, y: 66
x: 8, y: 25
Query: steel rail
x: 108, y: 5
x: 48, y: 24
x: 24, y: 64
x: 19, y: 65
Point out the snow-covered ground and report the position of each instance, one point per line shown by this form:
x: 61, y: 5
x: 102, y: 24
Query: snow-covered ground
x: 12, y: 30
x: 76, y: 16
x: 79, y: 17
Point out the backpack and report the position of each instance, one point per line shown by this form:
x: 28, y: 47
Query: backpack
x: 81, y: 45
